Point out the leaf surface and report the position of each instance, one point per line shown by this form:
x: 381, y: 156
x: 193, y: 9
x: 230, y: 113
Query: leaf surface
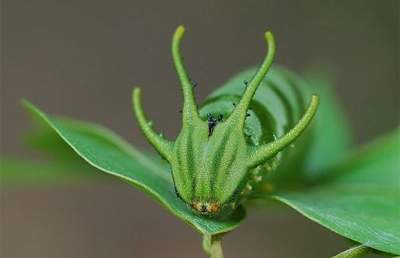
x: 360, y: 198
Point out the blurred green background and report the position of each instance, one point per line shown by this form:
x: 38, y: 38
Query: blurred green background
x: 82, y: 58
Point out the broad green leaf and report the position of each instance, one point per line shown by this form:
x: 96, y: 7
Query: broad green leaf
x: 109, y: 153
x: 360, y: 198
x: 44, y: 139
x: 61, y: 165
x: 64, y: 166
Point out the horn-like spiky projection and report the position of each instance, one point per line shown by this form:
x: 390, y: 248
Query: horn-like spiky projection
x: 189, y: 110
x: 240, y: 112
x: 264, y: 152
x: 211, y: 162
x: 163, y: 146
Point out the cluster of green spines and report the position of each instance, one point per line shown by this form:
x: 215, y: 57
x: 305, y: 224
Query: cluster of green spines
x: 214, y: 170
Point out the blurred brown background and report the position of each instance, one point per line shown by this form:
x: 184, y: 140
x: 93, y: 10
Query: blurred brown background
x: 82, y: 58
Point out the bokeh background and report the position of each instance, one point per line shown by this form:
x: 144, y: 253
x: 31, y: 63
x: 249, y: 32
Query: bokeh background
x: 82, y: 58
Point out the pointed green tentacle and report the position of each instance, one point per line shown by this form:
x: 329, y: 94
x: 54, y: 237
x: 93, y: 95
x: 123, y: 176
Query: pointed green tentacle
x: 264, y: 152
x: 239, y: 114
x: 189, y: 110
x: 163, y: 146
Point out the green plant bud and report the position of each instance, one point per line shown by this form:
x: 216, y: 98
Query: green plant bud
x: 215, y: 160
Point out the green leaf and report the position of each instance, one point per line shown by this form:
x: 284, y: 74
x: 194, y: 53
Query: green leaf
x: 360, y: 198
x: 62, y: 167
x: 44, y: 139
x: 109, y: 153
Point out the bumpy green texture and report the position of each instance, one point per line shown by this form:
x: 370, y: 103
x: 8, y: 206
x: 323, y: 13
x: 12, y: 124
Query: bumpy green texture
x: 277, y: 105
x: 213, y: 163
x: 109, y: 153
x: 360, y: 198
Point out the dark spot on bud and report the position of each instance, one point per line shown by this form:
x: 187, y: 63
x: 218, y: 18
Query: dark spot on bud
x: 212, y: 123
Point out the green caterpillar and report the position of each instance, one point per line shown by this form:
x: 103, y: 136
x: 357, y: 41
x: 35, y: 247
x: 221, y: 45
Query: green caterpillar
x: 223, y: 150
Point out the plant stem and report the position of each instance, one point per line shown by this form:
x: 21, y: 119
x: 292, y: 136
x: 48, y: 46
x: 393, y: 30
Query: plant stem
x: 212, y: 246
x: 354, y: 252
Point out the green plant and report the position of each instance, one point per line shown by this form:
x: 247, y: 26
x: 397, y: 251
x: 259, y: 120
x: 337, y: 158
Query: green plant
x: 226, y: 155
x: 215, y: 165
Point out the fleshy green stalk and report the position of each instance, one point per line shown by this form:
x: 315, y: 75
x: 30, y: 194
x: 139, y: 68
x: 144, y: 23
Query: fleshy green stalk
x: 212, y: 246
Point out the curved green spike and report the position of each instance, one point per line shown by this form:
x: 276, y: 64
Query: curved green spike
x: 208, y: 169
x: 239, y: 114
x: 163, y: 146
x: 264, y: 152
x: 189, y: 104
